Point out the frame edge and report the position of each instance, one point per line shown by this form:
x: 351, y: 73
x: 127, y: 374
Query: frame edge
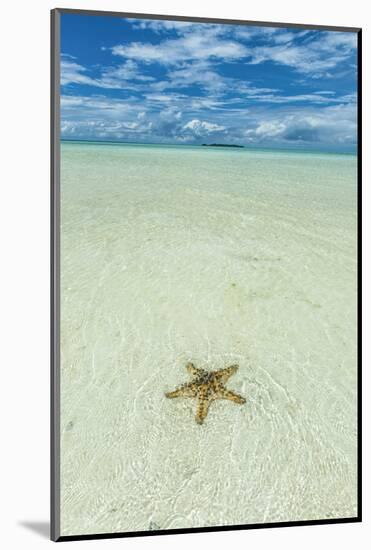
x: 359, y: 273
x: 195, y: 19
x: 54, y: 276
x: 55, y: 534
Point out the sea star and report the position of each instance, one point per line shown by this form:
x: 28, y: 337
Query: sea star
x: 207, y: 386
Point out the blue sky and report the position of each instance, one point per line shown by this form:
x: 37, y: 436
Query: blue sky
x: 156, y: 81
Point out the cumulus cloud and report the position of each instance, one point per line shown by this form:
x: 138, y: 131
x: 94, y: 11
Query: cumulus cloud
x: 182, y: 81
x: 202, y: 127
x: 335, y: 125
x: 268, y: 129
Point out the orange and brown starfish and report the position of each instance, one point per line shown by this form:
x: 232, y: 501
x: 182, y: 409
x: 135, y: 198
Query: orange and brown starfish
x: 206, y: 386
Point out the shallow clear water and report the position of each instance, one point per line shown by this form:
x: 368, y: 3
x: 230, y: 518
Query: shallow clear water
x: 219, y: 256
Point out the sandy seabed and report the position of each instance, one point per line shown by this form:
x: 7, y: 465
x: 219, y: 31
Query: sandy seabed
x: 172, y: 254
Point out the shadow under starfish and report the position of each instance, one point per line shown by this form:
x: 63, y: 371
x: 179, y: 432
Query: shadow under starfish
x: 206, y: 386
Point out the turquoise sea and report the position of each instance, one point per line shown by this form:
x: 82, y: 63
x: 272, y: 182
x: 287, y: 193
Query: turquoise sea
x: 219, y: 256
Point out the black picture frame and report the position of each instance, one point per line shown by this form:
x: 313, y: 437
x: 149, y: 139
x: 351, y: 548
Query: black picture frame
x: 55, y: 276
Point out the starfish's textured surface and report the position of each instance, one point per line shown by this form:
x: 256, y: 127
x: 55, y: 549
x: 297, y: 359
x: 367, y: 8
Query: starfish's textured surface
x: 206, y: 386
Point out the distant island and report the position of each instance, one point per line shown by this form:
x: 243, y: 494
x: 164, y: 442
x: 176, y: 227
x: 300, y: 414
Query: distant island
x: 221, y: 145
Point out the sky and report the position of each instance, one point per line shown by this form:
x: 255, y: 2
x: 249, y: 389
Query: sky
x: 171, y: 82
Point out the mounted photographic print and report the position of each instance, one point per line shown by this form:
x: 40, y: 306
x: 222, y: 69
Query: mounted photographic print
x: 205, y: 217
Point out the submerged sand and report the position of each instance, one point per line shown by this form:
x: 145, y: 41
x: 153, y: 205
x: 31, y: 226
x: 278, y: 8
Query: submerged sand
x: 172, y: 254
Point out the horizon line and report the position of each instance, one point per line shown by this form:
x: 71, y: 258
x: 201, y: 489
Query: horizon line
x: 228, y: 146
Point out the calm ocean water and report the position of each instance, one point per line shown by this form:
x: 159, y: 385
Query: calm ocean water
x: 219, y: 256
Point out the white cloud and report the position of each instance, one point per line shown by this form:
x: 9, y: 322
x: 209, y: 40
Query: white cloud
x: 316, y: 56
x: 313, y: 98
x: 104, y: 129
x: 165, y: 97
x: 194, y: 93
x: 124, y: 76
x: 98, y: 106
x: 106, y: 118
x: 74, y: 73
x: 334, y: 125
x: 203, y: 44
x: 269, y: 129
x: 202, y: 128
x: 197, y: 72
x: 160, y: 25
x: 128, y: 71
x: 325, y: 92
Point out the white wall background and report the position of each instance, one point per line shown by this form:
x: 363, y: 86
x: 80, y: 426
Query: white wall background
x: 24, y: 256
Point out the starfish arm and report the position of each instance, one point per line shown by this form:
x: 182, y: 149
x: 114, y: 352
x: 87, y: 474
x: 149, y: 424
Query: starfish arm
x: 202, y: 409
x: 224, y: 374
x: 188, y: 390
x: 231, y: 396
x: 194, y: 371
